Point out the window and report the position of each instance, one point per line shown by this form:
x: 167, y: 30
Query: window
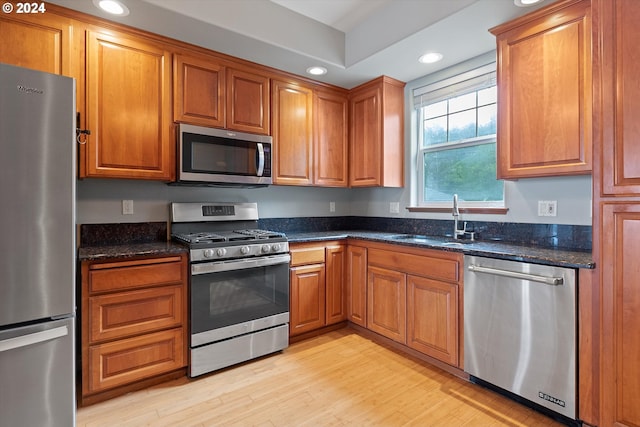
x: 457, y: 140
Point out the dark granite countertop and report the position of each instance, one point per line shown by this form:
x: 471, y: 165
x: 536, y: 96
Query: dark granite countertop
x: 90, y: 253
x: 492, y: 249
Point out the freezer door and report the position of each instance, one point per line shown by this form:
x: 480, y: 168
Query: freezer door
x: 37, y: 375
x: 37, y: 189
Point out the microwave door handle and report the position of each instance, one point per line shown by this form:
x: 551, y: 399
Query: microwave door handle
x: 260, y: 165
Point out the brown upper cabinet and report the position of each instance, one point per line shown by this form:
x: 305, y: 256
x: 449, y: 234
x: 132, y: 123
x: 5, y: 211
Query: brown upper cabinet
x: 128, y: 91
x: 309, y: 135
x: 544, y: 81
x: 376, y: 134
x: 124, y: 78
x: 208, y: 92
x: 292, y: 133
x: 43, y: 42
x: 198, y: 91
x: 122, y: 84
x: 248, y: 102
x: 330, y: 152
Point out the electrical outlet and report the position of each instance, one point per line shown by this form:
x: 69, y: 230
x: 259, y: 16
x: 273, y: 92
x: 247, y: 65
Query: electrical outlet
x: 547, y: 208
x: 332, y: 206
x: 127, y: 207
x: 394, y: 207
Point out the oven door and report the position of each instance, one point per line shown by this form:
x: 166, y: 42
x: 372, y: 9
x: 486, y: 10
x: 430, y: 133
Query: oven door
x: 231, y: 298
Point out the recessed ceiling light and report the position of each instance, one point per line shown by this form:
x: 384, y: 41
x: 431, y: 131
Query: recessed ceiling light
x: 114, y: 7
x: 430, y: 58
x: 525, y: 3
x: 317, y: 71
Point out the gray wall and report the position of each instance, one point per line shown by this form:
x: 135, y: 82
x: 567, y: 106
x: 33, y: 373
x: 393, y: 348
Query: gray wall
x: 100, y: 200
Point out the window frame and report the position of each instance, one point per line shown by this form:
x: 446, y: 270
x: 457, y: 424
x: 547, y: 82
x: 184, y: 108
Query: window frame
x: 438, y: 91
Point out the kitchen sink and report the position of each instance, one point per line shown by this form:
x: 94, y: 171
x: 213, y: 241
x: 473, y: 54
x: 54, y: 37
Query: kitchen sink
x: 432, y: 240
x: 411, y: 237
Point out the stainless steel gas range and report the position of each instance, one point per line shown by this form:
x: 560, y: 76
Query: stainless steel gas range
x: 239, y: 284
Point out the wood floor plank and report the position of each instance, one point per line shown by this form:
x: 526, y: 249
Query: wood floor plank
x: 337, y: 379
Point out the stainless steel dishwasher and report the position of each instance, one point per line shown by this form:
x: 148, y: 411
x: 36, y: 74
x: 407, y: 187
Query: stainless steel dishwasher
x: 520, y: 330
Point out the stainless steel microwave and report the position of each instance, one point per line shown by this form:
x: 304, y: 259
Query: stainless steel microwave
x: 223, y: 157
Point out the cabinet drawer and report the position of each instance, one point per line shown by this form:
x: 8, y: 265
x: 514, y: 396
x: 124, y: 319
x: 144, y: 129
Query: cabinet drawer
x: 126, y: 361
x: 135, y: 274
x: 124, y: 314
x: 304, y: 256
x: 446, y: 266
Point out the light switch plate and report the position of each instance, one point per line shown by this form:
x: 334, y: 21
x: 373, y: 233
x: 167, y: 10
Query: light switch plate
x: 332, y: 206
x: 394, y: 207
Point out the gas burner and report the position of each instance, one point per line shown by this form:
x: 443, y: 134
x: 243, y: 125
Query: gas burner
x: 260, y: 234
x: 203, y: 237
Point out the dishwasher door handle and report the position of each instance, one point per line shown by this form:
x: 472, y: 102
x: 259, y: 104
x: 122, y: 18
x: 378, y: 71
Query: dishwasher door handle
x: 517, y: 275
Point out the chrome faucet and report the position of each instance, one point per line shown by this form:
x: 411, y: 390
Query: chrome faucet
x: 456, y: 213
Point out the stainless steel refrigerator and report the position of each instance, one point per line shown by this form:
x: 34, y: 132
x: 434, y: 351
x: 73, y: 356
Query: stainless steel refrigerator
x: 37, y: 248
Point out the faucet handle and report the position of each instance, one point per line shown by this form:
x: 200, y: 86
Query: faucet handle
x: 468, y: 231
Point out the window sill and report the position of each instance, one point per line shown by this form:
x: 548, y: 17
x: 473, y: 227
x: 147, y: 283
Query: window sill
x: 493, y: 211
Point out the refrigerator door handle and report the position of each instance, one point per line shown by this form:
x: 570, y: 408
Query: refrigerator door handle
x: 25, y: 340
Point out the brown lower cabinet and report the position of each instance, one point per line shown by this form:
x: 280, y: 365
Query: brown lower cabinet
x: 134, y: 323
x: 356, y: 280
x: 317, y: 286
x: 412, y: 296
x: 387, y: 303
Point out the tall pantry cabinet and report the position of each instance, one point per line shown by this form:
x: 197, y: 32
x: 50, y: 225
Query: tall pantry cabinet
x: 616, y: 192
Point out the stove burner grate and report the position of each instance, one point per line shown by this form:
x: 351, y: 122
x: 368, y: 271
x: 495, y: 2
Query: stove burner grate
x: 259, y: 234
x: 200, y: 237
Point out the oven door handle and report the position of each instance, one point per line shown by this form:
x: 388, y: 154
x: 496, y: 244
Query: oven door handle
x: 220, y: 266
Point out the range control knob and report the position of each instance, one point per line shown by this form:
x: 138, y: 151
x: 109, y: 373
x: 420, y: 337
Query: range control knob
x: 221, y: 252
x: 245, y: 250
x: 265, y: 249
x: 208, y: 253
x: 276, y: 247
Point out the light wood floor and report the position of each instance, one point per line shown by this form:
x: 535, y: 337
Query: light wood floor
x: 337, y: 379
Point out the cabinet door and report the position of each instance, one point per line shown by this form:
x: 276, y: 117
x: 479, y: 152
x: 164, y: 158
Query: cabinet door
x: 128, y: 108
x: 248, y: 102
x: 307, y: 298
x: 432, y: 318
x: 43, y: 44
x: 292, y: 134
x: 387, y: 303
x: 357, y: 285
x: 365, y: 138
x: 330, y: 157
x: 621, y: 304
x: 544, y: 105
x: 620, y: 70
x: 198, y: 91
x: 336, y: 306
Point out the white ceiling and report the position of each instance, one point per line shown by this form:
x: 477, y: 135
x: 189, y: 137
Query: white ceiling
x: 356, y: 40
